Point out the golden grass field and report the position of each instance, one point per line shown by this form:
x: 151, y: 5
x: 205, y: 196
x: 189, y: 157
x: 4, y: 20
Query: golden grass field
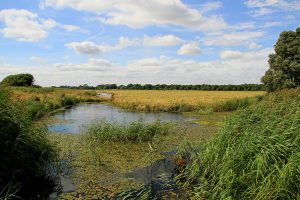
x: 170, y: 100
x: 147, y: 100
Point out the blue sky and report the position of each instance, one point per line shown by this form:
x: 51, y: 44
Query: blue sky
x: 72, y: 42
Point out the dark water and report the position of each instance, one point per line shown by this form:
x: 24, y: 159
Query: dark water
x: 77, y: 117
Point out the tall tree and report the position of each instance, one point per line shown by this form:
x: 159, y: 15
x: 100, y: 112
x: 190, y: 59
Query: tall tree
x: 284, y: 71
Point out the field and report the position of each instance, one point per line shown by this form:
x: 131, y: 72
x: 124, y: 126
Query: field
x: 177, y: 100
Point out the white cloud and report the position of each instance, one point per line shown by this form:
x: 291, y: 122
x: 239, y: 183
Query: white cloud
x: 249, y: 55
x: 191, y: 48
x: 228, y: 54
x: 139, y: 13
x: 90, y: 48
x: 69, y: 27
x: 37, y: 59
x: 26, y: 26
x: 84, y: 47
x: 254, y: 45
x: 162, y: 40
x: 211, y: 6
x: 232, y: 39
x: 262, y: 11
x: 101, y: 65
x: 264, y: 7
x: 22, y: 25
x: 235, y: 68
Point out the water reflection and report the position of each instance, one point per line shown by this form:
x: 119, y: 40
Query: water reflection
x: 81, y: 115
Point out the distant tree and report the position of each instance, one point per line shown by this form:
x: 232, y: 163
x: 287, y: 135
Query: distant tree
x: 284, y: 71
x: 18, y: 80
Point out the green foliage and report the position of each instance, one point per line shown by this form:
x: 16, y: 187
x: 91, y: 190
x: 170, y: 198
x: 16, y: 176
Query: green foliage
x: 256, y: 155
x: 284, y: 69
x: 25, y: 153
x: 138, y: 131
x: 68, y: 100
x: 232, y: 105
x: 18, y: 80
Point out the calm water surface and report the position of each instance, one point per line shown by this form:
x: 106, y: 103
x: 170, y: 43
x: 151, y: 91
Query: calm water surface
x: 75, y: 119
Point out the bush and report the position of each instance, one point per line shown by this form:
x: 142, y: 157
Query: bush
x: 256, y: 155
x: 25, y: 153
x: 18, y: 80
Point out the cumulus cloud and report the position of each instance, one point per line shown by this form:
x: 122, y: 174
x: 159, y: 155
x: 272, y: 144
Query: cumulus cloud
x: 138, y: 14
x: 26, y: 26
x: 191, y: 48
x: 162, y: 40
x: 22, y: 24
x: 232, y: 39
x: 90, y: 48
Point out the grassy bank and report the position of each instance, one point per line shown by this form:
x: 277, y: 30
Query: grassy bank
x: 183, y: 101
x: 25, y: 153
x: 42, y: 101
x: 256, y: 155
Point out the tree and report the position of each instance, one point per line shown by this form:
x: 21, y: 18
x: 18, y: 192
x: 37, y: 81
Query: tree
x: 18, y: 80
x: 284, y: 71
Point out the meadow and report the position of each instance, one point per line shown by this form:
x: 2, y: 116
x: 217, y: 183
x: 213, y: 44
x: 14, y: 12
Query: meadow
x: 182, y: 100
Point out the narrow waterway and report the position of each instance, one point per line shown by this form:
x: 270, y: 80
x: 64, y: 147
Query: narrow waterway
x: 76, y: 118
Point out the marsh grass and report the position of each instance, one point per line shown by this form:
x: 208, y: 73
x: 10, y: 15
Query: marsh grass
x: 184, y: 101
x: 137, y: 131
x: 256, y: 155
x: 25, y: 152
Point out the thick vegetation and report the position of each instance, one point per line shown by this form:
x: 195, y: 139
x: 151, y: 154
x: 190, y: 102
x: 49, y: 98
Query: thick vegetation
x: 284, y: 69
x: 18, y: 80
x: 25, y: 153
x: 256, y: 155
x: 137, y: 131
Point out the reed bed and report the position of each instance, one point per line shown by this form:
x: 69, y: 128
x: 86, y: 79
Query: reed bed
x: 137, y: 131
x: 256, y: 155
x: 25, y: 153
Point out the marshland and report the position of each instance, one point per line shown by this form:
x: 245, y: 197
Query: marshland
x: 95, y: 105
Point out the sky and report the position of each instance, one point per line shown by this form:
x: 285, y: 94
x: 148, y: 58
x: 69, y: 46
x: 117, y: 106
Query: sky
x: 75, y: 42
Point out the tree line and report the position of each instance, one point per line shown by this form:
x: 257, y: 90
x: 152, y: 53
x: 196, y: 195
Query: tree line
x: 242, y: 87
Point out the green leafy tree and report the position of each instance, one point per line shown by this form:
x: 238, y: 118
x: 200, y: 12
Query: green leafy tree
x: 284, y: 71
x: 18, y: 80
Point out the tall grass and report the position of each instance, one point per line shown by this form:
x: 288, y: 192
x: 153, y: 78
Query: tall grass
x: 256, y: 155
x: 25, y: 153
x: 182, y: 101
x: 137, y: 131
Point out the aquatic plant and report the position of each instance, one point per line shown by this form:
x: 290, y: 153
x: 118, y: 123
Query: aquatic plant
x: 137, y: 131
x: 25, y: 153
x: 256, y: 155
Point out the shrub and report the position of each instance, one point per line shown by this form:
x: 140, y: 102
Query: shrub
x: 18, y: 80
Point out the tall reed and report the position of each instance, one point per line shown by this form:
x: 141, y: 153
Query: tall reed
x: 25, y: 153
x: 256, y: 155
